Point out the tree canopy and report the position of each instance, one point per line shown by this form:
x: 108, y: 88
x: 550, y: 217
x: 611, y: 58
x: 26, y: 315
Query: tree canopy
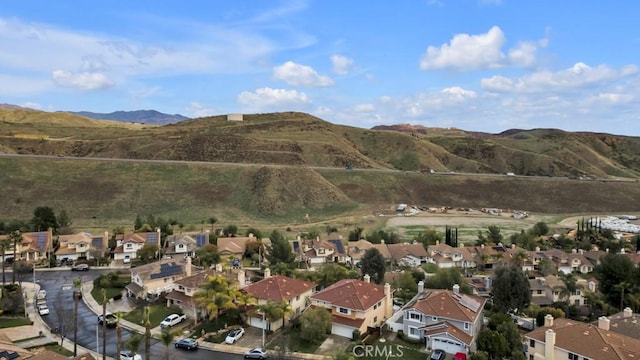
x: 373, y: 265
x: 280, y: 250
x: 510, y: 289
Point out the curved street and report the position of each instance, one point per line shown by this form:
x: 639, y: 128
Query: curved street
x: 59, y: 287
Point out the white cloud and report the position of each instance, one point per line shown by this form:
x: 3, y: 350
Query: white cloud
x: 364, y: 108
x: 300, y: 75
x: 323, y: 111
x: 31, y: 105
x: 467, y: 52
x: 483, y: 51
x: 459, y: 93
x: 84, y: 81
x: 268, y: 98
x: 196, y: 110
x: 341, y: 64
x: 574, y: 78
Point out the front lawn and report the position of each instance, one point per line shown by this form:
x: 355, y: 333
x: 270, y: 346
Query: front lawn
x: 290, y: 339
x: 8, y: 322
x: 157, y: 314
x: 59, y: 349
x: 111, y: 293
x: 113, y: 283
x: 212, y: 326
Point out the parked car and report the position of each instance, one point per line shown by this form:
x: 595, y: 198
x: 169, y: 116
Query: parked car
x: 128, y: 355
x: 256, y: 353
x: 187, y: 343
x: 234, y: 336
x: 110, y: 318
x: 80, y: 267
x: 126, y: 260
x: 42, y: 294
x: 172, y: 320
x: 43, y: 309
x: 438, y: 355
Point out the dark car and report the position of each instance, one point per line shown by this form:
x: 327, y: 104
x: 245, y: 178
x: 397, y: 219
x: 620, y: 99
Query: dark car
x: 438, y: 355
x: 256, y: 353
x: 187, y: 343
x: 111, y: 319
x: 80, y: 267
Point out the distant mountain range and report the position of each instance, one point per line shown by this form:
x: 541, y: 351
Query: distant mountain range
x: 137, y: 116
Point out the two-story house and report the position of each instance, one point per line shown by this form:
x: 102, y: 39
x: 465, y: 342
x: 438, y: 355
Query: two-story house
x: 185, y: 289
x: 317, y: 252
x: 237, y: 246
x: 185, y: 244
x: 152, y: 280
x: 575, y: 261
x: 551, y: 289
x: 446, y: 256
x: 81, y: 246
x: 561, y: 339
x: 128, y: 244
x: 355, y: 305
x: 408, y: 254
x: 444, y: 319
x: 279, y: 289
x: 33, y: 246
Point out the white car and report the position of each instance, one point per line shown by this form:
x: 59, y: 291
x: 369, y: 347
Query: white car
x: 234, y: 336
x: 128, y: 355
x: 42, y: 294
x: 43, y: 309
x: 126, y: 260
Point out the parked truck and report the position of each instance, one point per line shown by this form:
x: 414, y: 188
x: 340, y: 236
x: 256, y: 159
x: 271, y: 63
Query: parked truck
x: 172, y: 320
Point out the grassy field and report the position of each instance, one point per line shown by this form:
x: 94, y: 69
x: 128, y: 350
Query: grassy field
x: 157, y: 314
x: 7, y: 322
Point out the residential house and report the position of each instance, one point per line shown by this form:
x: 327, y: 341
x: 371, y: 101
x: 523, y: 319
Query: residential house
x: 128, y: 244
x: 481, y: 285
x: 81, y: 246
x: 408, y: 254
x: 561, y: 339
x: 626, y: 323
x: 549, y: 289
x: 574, y: 261
x: 279, y: 289
x: 355, y: 305
x: 317, y: 252
x: 35, y: 246
x: 185, y: 288
x: 447, y: 256
x: 540, y: 292
x: 237, y: 246
x: 185, y: 244
x: 152, y: 280
x: 356, y: 250
x: 444, y: 319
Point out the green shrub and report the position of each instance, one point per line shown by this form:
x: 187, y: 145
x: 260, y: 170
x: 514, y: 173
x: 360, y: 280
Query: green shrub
x: 401, y: 334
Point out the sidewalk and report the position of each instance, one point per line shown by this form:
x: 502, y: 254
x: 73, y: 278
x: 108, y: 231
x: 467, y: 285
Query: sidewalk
x: 31, y: 289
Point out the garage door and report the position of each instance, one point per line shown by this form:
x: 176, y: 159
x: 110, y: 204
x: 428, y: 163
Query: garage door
x: 449, y: 346
x: 341, y: 330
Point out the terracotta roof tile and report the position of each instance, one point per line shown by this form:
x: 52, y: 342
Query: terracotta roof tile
x: 278, y: 288
x: 352, y: 294
x: 446, y: 327
x: 446, y: 304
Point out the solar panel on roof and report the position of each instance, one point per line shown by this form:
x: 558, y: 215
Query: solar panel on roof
x: 296, y: 246
x: 41, y: 240
x: 166, y: 270
x: 200, y: 240
x: 476, y: 281
x: 97, y: 242
x: 469, y: 303
x: 10, y: 355
x: 339, y: 246
x: 152, y: 238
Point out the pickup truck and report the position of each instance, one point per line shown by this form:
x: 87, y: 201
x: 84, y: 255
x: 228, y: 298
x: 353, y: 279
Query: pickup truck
x: 172, y: 320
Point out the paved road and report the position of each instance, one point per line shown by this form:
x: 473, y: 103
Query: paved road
x: 58, y: 285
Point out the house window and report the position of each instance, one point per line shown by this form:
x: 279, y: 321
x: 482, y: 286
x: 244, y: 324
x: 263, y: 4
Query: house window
x: 434, y: 318
x: 539, y: 292
x: 342, y: 310
x: 375, y: 320
x: 297, y: 297
x: 530, y: 357
x: 375, y: 306
x: 320, y: 251
x: 466, y: 326
x: 573, y: 356
x: 413, y: 331
x: 415, y: 316
x: 532, y: 343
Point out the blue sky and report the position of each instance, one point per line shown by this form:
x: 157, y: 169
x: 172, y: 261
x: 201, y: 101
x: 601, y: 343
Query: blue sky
x: 480, y: 65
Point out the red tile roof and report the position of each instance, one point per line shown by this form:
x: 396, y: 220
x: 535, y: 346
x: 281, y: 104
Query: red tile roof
x: 446, y: 327
x: 352, y: 294
x: 447, y: 304
x: 278, y: 288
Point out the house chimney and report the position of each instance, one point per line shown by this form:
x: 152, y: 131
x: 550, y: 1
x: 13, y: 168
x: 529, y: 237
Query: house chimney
x: 604, y: 323
x: 627, y: 312
x: 537, y: 248
x: 513, y: 246
x: 382, y: 242
x: 187, y: 268
x: 367, y: 278
x: 548, y: 321
x: 218, y: 267
x: 549, y: 344
x: 420, y: 286
x: 387, y: 289
x: 242, y: 281
x: 250, y: 235
x: 267, y: 273
x: 456, y: 288
x: 437, y: 242
x: 574, y: 251
x: 581, y: 251
x: 481, y: 246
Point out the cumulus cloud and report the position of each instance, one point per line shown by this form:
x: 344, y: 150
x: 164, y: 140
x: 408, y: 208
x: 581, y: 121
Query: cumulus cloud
x: 196, y: 110
x: 300, y: 75
x: 576, y: 77
x: 84, y: 80
x: 272, y: 98
x: 482, y: 51
x: 341, y: 64
x: 364, y: 108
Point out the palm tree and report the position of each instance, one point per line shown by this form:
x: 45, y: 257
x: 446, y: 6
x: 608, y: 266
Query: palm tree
x: 285, y: 307
x: 147, y: 333
x: 16, y: 237
x: 212, y: 220
x: 216, y: 297
x: 625, y: 285
x: 133, y: 343
x: 104, y: 324
x: 520, y: 257
x: 166, y: 336
x: 118, y: 334
x: 77, y: 292
x: 566, y: 289
x: 243, y: 299
x: 272, y: 311
x: 5, y: 244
